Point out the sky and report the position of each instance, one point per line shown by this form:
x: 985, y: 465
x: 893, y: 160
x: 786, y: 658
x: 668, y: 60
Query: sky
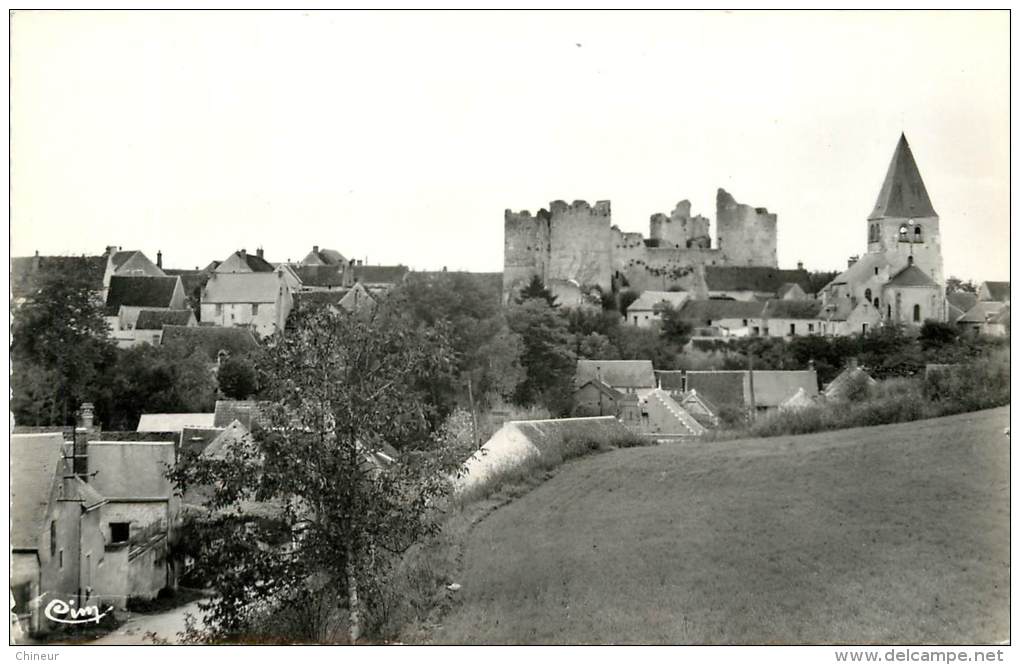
x: 402, y: 137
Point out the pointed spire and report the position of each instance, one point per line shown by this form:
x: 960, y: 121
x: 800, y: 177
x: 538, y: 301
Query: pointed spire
x: 903, y: 193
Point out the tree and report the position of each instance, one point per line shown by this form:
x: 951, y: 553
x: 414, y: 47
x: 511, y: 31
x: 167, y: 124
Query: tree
x: 494, y: 365
x: 61, y: 333
x: 675, y: 329
x: 957, y: 285
x: 329, y: 514
x: 536, y: 289
x: 548, y: 358
x: 237, y: 378
x: 936, y: 334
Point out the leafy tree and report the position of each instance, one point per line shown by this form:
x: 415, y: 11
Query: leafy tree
x: 494, y: 365
x: 645, y: 344
x: 957, y: 285
x: 548, y: 358
x: 596, y: 346
x: 627, y: 299
x: 675, y: 329
x: 237, y: 378
x: 937, y: 334
x: 61, y: 334
x: 328, y: 515
x: 536, y: 290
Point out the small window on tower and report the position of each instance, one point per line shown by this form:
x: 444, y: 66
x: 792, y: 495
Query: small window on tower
x: 917, y: 312
x: 917, y: 234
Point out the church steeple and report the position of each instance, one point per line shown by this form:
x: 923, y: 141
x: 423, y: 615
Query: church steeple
x: 903, y: 194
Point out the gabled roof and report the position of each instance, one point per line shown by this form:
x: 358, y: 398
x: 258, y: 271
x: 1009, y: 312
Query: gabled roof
x: 722, y: 388
x: 670, y: 379
x: 320, y: 275
x: 192, y: 280
x: 617, y: 373
x: 173, y: 422
x: 380, y: 274
x: 35, y: 462
x: 903, y: 193
x: 799, y: 400
x: 197, y: 439
x: 838, y: 387
x: 981, y: 312
x: 961, y: 300
x: 603, y: 388
x: 862, y: 269
x: 131, y: 469
x: 911, y: 276
x: 328, y: 257
x: 649, y: 300
x: 753, y: 278
x: 999, y: 291
x: 704, y: 311
x: 243, y: 287
x: 793, y: 309
x: 211, y: 339
x: 244, y: 411
x: 231, y: 433
x: 774, y: 387
x: 242, y: 261
x: 139, y: 291
x: 155, y: 319
x: 28, y: 272
x: 120, y: 258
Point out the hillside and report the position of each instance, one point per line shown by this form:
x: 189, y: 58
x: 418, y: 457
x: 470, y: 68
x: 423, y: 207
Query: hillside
x: 897, y: 533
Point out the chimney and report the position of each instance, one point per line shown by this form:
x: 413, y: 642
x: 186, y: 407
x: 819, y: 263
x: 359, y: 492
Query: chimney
x: 79, y: 450
x: 315, y: 249
x: 35, y: 261
x: 259, y: 253
x: 86, y: 415
x: 800, y: 265
x: 243, y: 254
x: 851, y: 362
x: 159, y: 258
x: 910, y: 260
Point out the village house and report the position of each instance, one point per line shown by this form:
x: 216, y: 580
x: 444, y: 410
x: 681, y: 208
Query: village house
x: 739, y: 389
x: 994, y: 292
x: 749, y: 283
x: 724, y: 318
x: 173, y: 422
x: 215, y: 342
x: 129, y: 295
x: 150, y: 323
x: 645, y: 311
x: 247, y: 291
x: 851, y: 379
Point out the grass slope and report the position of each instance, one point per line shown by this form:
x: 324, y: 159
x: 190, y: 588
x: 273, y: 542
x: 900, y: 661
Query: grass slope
x: 898, y: 533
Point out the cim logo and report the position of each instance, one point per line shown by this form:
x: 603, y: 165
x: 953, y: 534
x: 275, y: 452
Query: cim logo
x: 65, y: 612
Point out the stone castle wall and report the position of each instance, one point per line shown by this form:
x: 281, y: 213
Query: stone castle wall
x: 746, y: 235
x: 580, y: 244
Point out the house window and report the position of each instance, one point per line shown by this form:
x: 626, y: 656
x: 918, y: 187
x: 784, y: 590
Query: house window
x: 867, y: 294
x: 793, y: 329
x: 888, y: 311
x: 917, y: 234
x: 120, y: 532
x: 745, y: 323
x: 255, y: 309
x: 876, y: 303
x: 765, y: 331
x: 53, y: 538
x: 219, y: 309
x: 876, y: 270
x: 754, y: 331
x: 810, y: 327
x: 917, y: 312
x: 864, y: 328
x: 60, y: 559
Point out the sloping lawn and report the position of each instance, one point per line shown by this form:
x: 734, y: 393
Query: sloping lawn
x: 897, y: 533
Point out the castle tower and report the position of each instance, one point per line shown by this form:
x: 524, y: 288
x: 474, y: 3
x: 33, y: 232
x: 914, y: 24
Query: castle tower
x: 904, y: 223
x: 746, y: 235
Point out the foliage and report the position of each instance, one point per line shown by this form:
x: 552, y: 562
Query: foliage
x: 675, y: 329
x: 980, y: 384
x: 59, y: 336
x: 304, y: 506
x: 936, y: 334
x: 957, y: 285
x: 627, y: 298
x: 237, y: 378
x: 548, y: 360
x: 536, y: 290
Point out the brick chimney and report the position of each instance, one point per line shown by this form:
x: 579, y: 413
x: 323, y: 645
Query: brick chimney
x: 800, y: 265
x: 159, y: 258
x: 259, y: 253
x: 315, y: 249
x: 243, y: 253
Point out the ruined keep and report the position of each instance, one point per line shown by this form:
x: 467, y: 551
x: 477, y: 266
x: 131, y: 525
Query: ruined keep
x: 575, y: 247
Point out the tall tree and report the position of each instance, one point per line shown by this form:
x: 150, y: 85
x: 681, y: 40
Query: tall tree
x: 548, y: 357
x: 343, y: 390
x: 536, y: 290
x: 62, y: 332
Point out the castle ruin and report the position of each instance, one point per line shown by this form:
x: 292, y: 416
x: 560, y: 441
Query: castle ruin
x: 575, y: 247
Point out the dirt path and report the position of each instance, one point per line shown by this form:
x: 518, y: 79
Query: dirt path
x: 166, y: 625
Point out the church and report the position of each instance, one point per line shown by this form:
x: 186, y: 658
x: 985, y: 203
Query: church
x: 899, y: 280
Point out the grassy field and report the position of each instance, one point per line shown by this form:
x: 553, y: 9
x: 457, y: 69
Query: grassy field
x: 897, y: 533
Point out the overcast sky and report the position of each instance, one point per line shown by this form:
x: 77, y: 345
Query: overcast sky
x: 402, y: 137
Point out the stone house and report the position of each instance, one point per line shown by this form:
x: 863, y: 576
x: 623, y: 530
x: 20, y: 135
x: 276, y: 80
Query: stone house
x: 626, y: 376
x: 150, y: 323
x: 986, y: 318
x: 259, y: 300
x: 128, y: 295
x: 791, y: 318
x: 994, y: 292
x: 645, y: 311
x: 724, y: 318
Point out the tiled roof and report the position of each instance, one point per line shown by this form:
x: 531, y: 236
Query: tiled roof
x: 155, y: 319
x: 705, y: 311
x: 862, y: 269
x: 231, y: 433
x: 722, y: 388
x: 27, y: 272
x: 648, y: 300
x: 131, y: 469
x: 173, y: 422
x: 329, y: 257
x: 961, y: 300
x: 793, y: 309
x: 1002, y: 318
x: 212, y: 339
x: 910, y: 276
x: 35, y: 462
x: 197, y: 439
x: 753, y: 278
x: 981, y: 312
x: 242, y: 287
x: 192, y: 280
x: 139, y: 291
x: 243, y: 411
x: 617, y: 373
x: 999, y: 291
x: 774, y: 387
x: 320, y: 275
x: 380, y: 274
x: 120, y: 258
x: 670, y: 379
x: 903, y: 193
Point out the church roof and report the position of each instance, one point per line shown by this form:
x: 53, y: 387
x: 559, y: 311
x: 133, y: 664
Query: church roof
x: 910, y: 276
x: 903, y: 193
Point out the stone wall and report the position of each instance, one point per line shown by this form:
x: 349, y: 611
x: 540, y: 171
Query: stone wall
x: 746, y: 235
x: 680, y: 229
x: 525, y: 248
x: 580, y: 243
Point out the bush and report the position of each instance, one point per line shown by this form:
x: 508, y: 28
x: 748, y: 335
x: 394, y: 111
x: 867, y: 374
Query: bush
x: 980, y: 384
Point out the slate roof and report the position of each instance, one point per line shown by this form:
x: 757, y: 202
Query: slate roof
x: 211, y: 339
x: 197, y: 439
x: 862, y: 269
x: 670, y: 379
x: 254, y: 262
x: 191, y: 280
x: 705, y: 311
x: 793, y: 309
x: 173, y: 422
x: 329, y: 257
x: 131, y: 469
x: 320, y: 275
x: 910, y: 276
x: 380, y: 274
x: 903, y: 193
x: 244, y: 411
x: 27, y: 272
x: 721, y: 388
x: 981, y: 312
x: 120, y: 258
x: 35, y: 461
x: 774, y: 387
x: 648, y: 300
x: 155, y: 319
x: 617, y: 373
x: 139, y: 291
x: 962, y: 300
x: 786, y: 288
x: 242, y: 287
x: 999, y: 291
x: 754, y: 278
